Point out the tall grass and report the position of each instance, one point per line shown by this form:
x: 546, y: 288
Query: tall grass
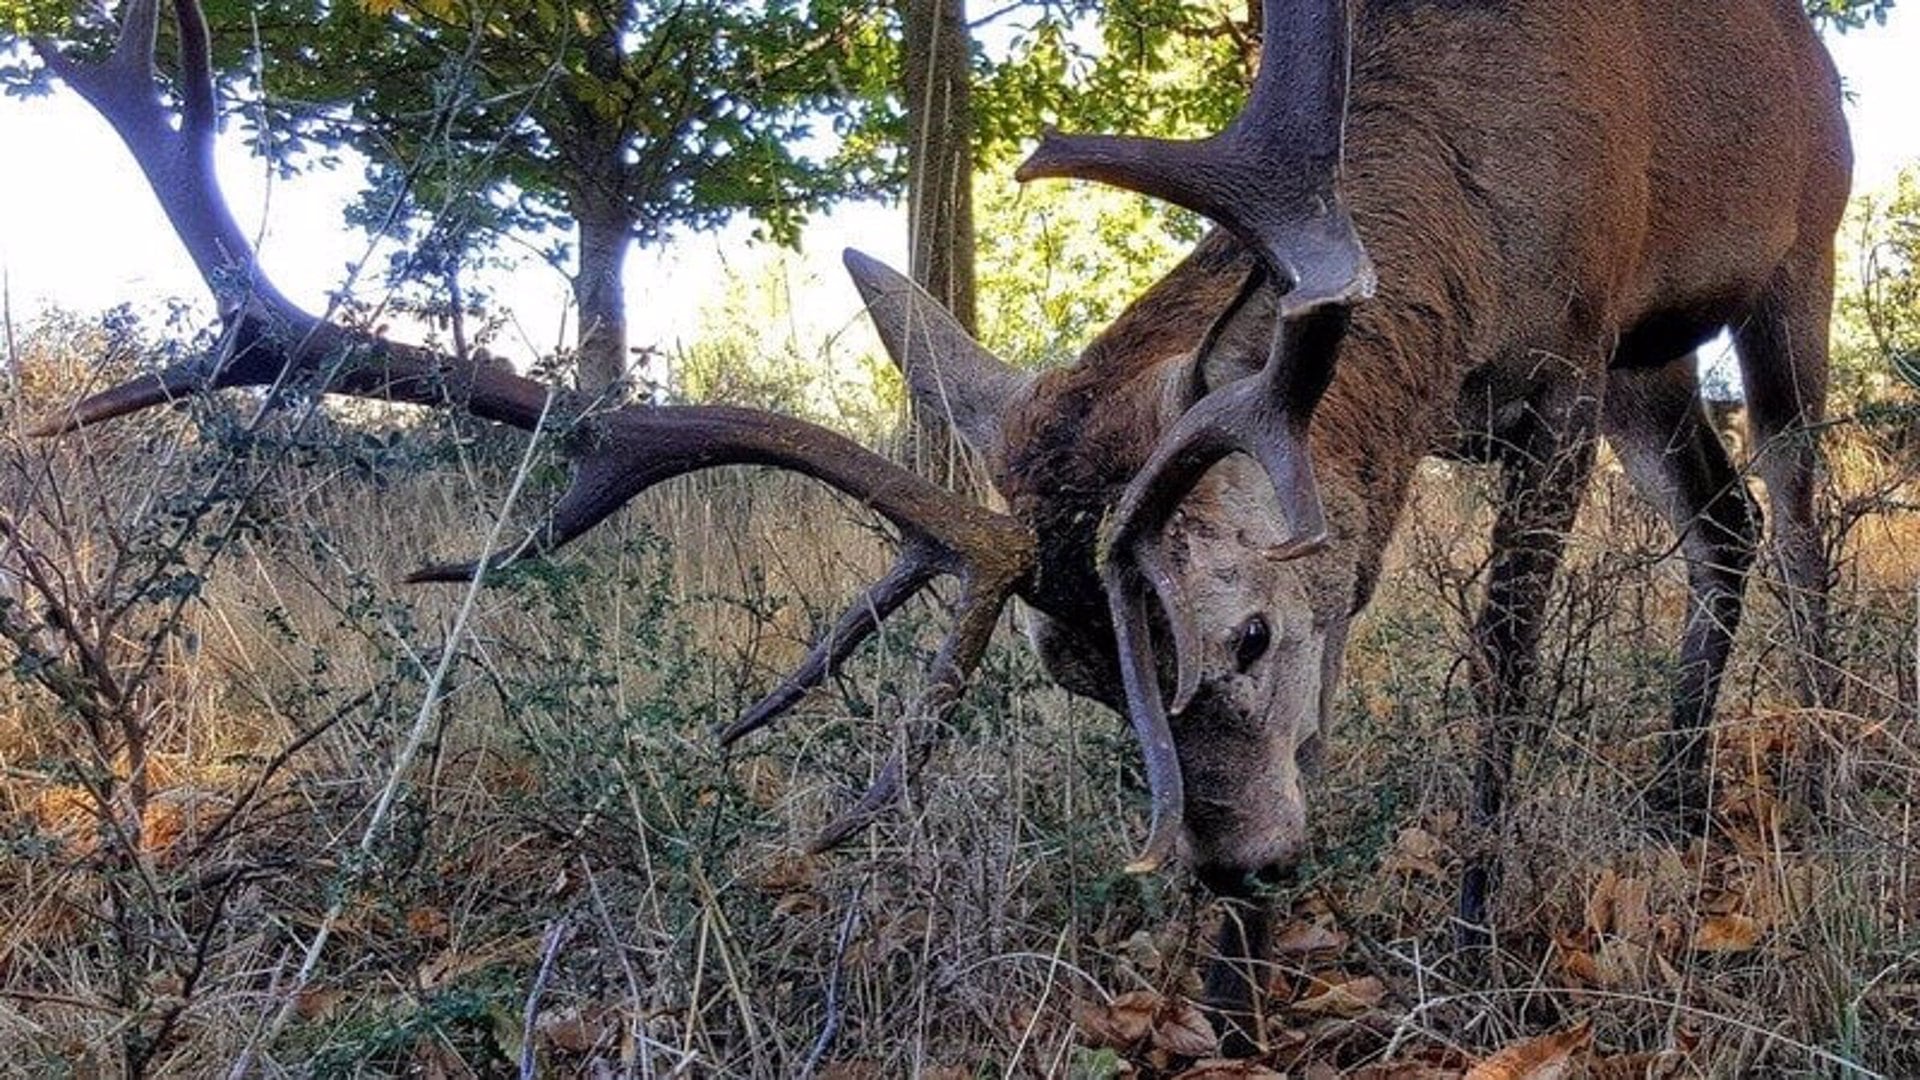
x: 215, y: 670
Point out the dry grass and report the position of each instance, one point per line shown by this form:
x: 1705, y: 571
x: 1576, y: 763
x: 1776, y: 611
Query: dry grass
x: 571, y: 870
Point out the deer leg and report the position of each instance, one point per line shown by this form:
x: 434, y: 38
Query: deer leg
x: 1546, y: 467
x: 1236, y: 974
x: 1657, y: 425
x: 1782, y: 344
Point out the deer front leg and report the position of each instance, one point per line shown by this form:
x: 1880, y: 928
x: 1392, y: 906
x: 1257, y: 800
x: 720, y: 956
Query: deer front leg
x: 1546, y: 465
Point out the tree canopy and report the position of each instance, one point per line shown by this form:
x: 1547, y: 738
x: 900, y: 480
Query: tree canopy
x: 613, y: 122
x: 588, y: 125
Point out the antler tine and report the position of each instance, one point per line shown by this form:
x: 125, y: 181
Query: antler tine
x: 1141, y: 678
x: 985, y: 589
x: 1271, y: 175
x: 1264, y: 416
x: 911, y: 572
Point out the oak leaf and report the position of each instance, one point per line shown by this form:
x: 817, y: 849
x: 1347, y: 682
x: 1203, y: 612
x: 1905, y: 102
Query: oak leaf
x: 1339, y: 996
x: 1300, y: 938
x: 1416, y: 852
x: 1118, y: 1024
x: 1548, y: 1057
x: 1728, y: 933
x: 1228, y: 1069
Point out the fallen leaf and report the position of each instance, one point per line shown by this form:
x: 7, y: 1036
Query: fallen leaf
x: 1729, y: 933
x: 1227, y: 1069
x: 799, y: 903
x: 1300, y: 938
x: 429, y: 922
x: 1171, y: 1026
x: 1348, y: 998
x: 1180, y: 1028
x: 788, y: 873
x: 575, y: 1031
x: 1657, y: 1065
x: 1620, y: 906
x: 318, y: 1004
x: 1415, y: 852
x: 1120, y: 1023
x: 1576, y: 958
x: 1548, y: 1057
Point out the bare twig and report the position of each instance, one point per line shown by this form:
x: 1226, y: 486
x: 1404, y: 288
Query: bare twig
x: 830, y: 1025
x: 558, y: 932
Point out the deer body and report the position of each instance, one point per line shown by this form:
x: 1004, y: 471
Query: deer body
x: 1563, y: 199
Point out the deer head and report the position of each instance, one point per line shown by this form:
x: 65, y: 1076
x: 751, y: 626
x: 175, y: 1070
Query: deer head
x: 1252, y: 635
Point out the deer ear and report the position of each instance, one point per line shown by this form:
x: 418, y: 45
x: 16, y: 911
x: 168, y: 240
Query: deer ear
x: 949, y: 374
x: 1238, y: 342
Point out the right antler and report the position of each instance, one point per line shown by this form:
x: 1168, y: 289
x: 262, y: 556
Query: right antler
x: 617, y: 454
x: 1272, y: 178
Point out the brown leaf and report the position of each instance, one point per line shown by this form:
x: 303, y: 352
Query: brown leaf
x: 1656, y: 1065
x: 313, y: 1004
x: 1576, y: 958
x: 1300, y: 938
x: 575, y: 1031
x: 799, y: 903
x: 1727, y: 933
x: 1118, y: 1024
x: 1228, y: 1069
x: 1172, y: 1027
x: 1343, y: 997
x: 1180, y: 1028
x: 1415, y: 852
x: 429, y: 922
x: 787, y: 873
x: 1548, y: 1057
x: 1619, y: 906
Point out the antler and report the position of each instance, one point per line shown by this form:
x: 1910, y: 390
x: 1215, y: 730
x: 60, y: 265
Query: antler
x: 617, y: 454
x: 1272, y: 178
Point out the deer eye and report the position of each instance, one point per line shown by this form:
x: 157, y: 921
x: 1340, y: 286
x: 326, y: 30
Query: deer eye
x: 1252, y: 641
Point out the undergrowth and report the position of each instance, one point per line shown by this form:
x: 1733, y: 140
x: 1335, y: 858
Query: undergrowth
x: 249, y: 815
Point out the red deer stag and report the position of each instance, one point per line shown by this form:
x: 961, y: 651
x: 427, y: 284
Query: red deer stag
x: 1562, y: 197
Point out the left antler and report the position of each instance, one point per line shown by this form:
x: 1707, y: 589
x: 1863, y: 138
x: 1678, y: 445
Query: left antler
x: 1272, y: 178
x: 617, y: 454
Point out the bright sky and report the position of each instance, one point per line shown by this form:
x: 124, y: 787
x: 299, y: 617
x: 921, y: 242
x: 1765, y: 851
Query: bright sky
x: 78, y: 228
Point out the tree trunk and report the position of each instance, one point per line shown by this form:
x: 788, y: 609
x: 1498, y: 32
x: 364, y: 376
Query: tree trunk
x: 600, y: 293
x: 940, y: 152
x: 936, y: 89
